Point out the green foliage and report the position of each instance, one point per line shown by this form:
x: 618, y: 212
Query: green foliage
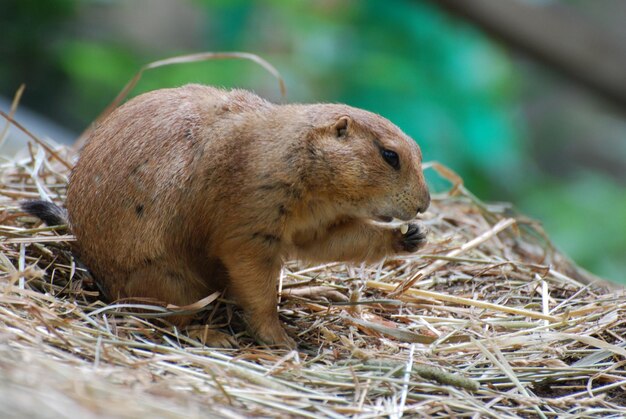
x: 29, y: 31
x: 97, y: 71
x: 586, y: 218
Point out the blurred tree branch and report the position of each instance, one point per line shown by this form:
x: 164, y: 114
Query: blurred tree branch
x: 557, y: 37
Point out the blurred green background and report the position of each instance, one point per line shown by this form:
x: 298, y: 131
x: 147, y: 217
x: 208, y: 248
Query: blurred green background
x: 514, y: 130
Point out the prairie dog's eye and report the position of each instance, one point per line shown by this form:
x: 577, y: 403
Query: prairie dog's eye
x: 391, y: 157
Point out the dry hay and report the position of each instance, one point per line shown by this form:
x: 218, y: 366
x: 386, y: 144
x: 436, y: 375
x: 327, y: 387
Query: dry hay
x: 489, y: 320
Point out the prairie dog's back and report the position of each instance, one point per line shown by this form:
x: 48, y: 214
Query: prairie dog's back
x: 139, y: 164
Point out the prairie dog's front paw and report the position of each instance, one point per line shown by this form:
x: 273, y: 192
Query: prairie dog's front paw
x: 412, y: 239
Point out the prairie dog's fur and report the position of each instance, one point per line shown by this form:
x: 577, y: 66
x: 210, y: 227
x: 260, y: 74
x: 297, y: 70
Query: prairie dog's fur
x: 180, y: 192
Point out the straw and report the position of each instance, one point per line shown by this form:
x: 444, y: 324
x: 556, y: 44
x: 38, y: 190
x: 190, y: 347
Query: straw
x: 491, y: 321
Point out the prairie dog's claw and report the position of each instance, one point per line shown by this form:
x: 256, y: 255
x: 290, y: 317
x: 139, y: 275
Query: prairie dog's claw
x: 414, y: 238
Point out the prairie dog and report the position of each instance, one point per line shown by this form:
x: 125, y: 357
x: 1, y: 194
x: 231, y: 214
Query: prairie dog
x: 181, y: 192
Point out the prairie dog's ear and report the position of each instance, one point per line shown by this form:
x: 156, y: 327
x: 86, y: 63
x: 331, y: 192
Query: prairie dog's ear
x: 341, y: 126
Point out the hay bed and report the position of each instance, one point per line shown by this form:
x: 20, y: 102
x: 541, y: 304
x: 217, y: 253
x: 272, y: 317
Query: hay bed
x: 496, y: 324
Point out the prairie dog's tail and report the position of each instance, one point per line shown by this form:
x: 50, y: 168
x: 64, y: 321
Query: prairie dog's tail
x: 50, y: 213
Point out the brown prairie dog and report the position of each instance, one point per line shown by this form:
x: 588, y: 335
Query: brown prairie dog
x: 181, y: 192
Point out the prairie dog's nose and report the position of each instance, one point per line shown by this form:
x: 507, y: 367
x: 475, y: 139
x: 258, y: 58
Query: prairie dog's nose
x: 425, y: 203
